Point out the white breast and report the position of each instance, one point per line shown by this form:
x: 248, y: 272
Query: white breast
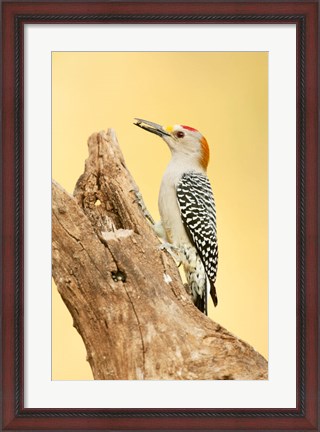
x: 168, y: 203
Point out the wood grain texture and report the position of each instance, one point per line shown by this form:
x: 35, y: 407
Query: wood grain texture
x: 145, y: 325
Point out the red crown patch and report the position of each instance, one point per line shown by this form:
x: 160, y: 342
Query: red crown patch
x: 189, y: 128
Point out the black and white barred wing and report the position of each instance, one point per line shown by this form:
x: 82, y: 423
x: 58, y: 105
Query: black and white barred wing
x: 198, y: 213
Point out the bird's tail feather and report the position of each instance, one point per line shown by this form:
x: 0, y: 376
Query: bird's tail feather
x: 213, y: 293
x: 201, y: 302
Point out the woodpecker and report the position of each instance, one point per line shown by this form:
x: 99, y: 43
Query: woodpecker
x: 187, y: 208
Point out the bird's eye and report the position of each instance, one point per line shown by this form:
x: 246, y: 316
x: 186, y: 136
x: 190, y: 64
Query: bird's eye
x: 179, y: 134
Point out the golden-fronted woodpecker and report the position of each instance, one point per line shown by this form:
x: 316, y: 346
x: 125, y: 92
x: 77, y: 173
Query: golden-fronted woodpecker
x: 187, y: 208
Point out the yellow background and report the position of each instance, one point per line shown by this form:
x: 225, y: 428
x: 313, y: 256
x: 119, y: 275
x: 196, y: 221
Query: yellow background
x: 224, y: 96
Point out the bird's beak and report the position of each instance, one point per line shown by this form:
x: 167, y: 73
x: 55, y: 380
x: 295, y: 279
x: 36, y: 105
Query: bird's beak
x: 151, y: 127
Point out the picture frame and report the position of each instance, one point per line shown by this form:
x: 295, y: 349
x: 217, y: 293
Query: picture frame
x: 14, y: 16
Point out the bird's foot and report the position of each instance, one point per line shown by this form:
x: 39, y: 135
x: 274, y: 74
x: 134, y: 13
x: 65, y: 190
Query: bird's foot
x: 174, y: 251
x: 142, y: 205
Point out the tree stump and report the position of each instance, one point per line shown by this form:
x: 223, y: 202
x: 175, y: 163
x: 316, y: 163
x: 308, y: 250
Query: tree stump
x: 125, y: 295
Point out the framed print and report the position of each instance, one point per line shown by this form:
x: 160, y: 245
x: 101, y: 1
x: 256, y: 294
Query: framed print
x: 243, y: 74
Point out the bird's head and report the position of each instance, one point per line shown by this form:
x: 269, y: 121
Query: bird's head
x: 183, y: 140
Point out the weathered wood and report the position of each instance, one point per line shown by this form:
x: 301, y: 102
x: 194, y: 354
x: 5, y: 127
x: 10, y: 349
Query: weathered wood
x: 125, y: 295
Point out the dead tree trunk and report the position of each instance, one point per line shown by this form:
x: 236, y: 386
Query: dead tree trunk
x: 124, y: 294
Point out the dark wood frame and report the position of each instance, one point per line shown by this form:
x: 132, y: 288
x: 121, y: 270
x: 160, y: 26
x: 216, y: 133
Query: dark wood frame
x: 305, y: 16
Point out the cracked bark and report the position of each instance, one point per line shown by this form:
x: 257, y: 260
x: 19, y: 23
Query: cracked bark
x: 125, y: 295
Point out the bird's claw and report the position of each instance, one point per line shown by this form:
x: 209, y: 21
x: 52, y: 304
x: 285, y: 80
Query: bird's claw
x: 142, y: 205
x: 172, y: 250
